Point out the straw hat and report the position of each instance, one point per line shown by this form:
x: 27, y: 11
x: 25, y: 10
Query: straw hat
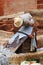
x: 18, y: 21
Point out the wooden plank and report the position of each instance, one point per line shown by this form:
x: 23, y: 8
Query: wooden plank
x: 4, y: 37
x: 36, y: 12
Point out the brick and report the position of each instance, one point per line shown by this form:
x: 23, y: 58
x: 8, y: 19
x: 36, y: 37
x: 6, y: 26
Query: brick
x: 40, y: 1
x: 1, y: 7
x: 40, y: 6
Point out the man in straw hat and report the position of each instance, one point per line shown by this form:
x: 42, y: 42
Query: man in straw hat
x: 25, y: 21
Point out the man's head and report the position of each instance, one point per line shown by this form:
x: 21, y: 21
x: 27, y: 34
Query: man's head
x: 25, y: 19
x: 18, y: 21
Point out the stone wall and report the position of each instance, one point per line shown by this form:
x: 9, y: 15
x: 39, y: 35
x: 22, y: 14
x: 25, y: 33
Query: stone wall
x: 12, y: 6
